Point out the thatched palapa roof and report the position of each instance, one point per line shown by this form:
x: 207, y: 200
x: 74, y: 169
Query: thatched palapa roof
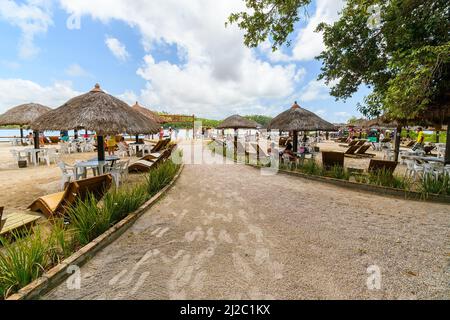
x: 383, y: 121
x: 299, y: 119
x: 96, y: 111
x: 238, y: 122
x: 148, y: 113
x: 23, y: 115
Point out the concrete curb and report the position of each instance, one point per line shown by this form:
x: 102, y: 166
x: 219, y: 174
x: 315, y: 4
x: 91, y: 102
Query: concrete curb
x: 58, y: 274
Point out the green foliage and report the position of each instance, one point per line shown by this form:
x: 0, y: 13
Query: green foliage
x: 88, y: 220
x: 405, y: 59
x: 22, y: 260
x: 160, y: 177
x: 386, y: 179
x: 432, y: 185
x: 272, y: 19
x: 118, y: 203
x: 311, y: 167
x: 262, y: 120
x: 339, y: 172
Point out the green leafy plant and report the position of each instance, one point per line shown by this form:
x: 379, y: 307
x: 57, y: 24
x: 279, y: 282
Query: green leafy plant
x: 118, y: 203
x: 22, y: 260
x: 385, y: 178
x: 434, y: 185
x: 339, y: 172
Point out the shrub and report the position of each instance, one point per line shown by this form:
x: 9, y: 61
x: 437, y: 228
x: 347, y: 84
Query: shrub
x: 432, y: 185
x: 22, y: 260
x: 385, y: 178
x: 118, y: 203
x: 339, y: 172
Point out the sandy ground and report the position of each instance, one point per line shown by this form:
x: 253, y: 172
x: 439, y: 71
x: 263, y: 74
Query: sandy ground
x: 21, y: 186
x: 229, y: 232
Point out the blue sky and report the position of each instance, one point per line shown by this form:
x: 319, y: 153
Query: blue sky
x: 171, y: 55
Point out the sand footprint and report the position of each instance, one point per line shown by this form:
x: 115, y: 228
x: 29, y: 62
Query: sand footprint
x: 198, y: 234
x: 225, y: 237
x: 242, y: 267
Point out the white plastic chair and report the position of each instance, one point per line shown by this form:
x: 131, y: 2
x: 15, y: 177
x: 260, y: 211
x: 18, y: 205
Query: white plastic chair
x: 123, y: 150
x: 69, y: 173
x: 119, y: 171
x: 49, y: 156
x: 64, y: 148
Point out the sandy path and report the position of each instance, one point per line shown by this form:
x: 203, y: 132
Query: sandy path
x: 227, y: 232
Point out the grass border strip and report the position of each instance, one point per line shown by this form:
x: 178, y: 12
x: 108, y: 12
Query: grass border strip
x: 56, y: 275
x: 369, y: 188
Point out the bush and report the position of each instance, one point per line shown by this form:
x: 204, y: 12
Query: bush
x: 385, y: 178
x: 339, y: 172
x: 432, y: 185
x: 22, y: 260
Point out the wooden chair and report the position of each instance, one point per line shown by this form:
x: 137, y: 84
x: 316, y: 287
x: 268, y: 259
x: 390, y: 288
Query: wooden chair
x: 147, y: 163
x: 2, y: 222
x: 56, y: 204
x: 331, y: 159
x: 361, y: 153
x: 160, y: 145
x: 377, y: 165
x: 351, y: 144
x: 351, y: 150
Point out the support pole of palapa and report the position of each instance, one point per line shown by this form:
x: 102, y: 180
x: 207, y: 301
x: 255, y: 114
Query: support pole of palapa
x: 398, y: 133
x: 295, y: 141
x: 100, y: 148
x: 36, y: 139
x: 437, y: 136
x: 235, y: 143
x: 447, y: 145
x: 137, y: 145
x: 21, y: 135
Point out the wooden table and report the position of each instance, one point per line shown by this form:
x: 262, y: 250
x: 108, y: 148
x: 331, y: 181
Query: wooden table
x: 18, y: 220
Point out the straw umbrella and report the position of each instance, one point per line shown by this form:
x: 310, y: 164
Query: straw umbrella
x: 148, y: 113
x: 237, y: 122
x: 23, y: 116
x: 96, y: 111
x: 298, y: 119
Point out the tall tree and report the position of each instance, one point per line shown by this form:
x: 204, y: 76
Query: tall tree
x: 398, y: 48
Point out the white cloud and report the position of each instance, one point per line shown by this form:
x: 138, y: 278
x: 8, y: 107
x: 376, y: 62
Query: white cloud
x: 315, y: 90
x: 75, y: 70
x: 117, y: 48
x: 14, y: 92
x: 33, y: 18
x: 309, y: 43
x: 217, y: 75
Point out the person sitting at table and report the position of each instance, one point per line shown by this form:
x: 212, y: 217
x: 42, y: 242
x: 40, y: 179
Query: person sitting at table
x: 111, y: 144
x: 287, y: 152
x: 123, y: 145
x: 64, y: 138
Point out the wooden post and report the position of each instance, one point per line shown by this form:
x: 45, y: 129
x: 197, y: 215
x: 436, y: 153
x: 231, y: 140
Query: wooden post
x: 75, y: 133
x: 137, y: 145
x: 100, y: 148
x: 295, y: 141
x: 437, y: 136
x: 257, y: 150
x: 21, y: 135
x: 36, y: 139
x: 447, y: 145
x: 235, y: 144
x: 398, y: 133
x: 193, y: 126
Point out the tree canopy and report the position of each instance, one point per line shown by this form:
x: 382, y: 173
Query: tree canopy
x: 404, y: 57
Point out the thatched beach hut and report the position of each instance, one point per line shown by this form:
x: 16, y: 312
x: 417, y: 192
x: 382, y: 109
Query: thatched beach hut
x: 297, y: 119
x: 97, y: 111
x: 148, y: 113
x: 23, y: 116
x: 237, y: 122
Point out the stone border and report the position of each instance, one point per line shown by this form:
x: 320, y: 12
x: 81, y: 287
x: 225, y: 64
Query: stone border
x: 58, y: 274
x: 386, y: 191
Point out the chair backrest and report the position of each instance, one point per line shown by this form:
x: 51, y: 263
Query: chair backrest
x: 331, y: 159
x: 352, y: 150
x: 62, y: 166
x: 157, y: 147
x: 360, y: 143
x: 1, y: 220
x: 79, y: 190
x: 377, y: 165
x: 363, y: 149
x: 353, y: 143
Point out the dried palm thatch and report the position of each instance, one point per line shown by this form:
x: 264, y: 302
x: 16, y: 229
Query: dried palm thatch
x: 299, y: 119
x: 238, y: 122
x: 23, y: 115
x: 148, y: 113
x: 384, y: 122
x: 96, y: 111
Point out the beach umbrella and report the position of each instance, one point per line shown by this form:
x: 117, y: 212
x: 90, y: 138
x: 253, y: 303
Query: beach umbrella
x: 23, y: 116
x: 298, y: 119
x: 148, y: 113
x: 96, y: 111
x: 237, y: 122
